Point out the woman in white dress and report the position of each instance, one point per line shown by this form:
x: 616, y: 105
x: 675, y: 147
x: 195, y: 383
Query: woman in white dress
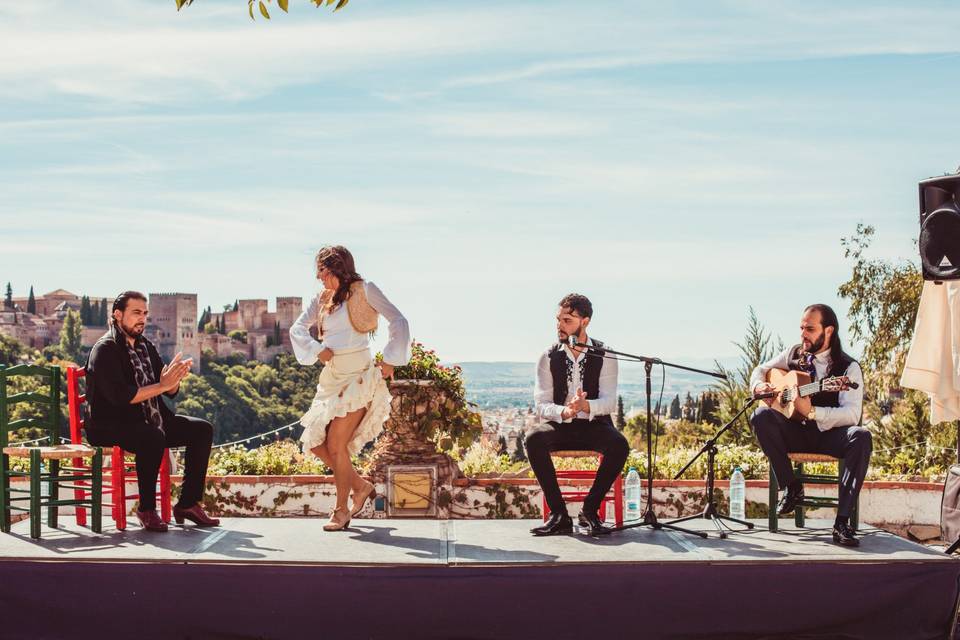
x: 353, y: 400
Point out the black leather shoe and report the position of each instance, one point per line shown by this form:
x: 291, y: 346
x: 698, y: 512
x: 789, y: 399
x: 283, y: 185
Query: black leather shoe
x: 845, y: 536
x: 593, y: 523
x: 556, y: 524
x: 790, y: 500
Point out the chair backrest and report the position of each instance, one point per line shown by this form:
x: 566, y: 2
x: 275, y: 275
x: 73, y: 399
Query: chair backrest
x: 75, y: 402
x: 49, y: 401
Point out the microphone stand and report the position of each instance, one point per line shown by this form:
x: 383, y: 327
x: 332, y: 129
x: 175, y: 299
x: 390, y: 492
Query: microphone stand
x: 649, y: 516
x: 710, y: 447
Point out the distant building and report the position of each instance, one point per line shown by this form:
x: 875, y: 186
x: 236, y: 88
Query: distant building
x: 172, y: 325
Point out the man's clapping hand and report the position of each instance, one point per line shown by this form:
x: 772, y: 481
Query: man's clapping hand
x: 175, y: 371
x: 578, y: 404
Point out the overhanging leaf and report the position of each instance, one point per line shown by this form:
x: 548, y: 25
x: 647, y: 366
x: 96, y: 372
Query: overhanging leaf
x: 283, y: 4
x: 263, y: 10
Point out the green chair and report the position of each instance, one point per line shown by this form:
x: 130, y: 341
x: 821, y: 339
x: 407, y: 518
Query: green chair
x: 810, y: 502
x: 55, y: 477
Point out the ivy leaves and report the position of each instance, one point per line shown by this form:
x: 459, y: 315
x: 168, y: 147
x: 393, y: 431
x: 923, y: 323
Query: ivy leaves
x: 261, y: 5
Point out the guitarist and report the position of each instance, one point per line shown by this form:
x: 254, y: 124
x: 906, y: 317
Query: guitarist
x: 831, y: 425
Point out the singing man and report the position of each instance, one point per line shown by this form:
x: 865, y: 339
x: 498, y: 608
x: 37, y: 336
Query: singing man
x: 576, y: 391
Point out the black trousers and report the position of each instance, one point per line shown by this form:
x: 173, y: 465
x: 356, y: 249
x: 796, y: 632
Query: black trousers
x: 779, y: 436
x: 572, y: 436
x: 147, y: 444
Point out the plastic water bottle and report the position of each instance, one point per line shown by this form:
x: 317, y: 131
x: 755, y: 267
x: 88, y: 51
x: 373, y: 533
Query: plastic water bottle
x: 631, y: 491
x: 738, y: 494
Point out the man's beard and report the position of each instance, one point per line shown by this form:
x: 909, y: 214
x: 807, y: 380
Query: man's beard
x: 564, y: 337
x: 133, y: 331
x: 817, y: 346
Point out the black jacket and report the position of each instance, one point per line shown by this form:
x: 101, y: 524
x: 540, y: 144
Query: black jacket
x: 111, y: 384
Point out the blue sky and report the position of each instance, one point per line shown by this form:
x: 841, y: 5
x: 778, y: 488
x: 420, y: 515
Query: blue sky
x: 677, y: 162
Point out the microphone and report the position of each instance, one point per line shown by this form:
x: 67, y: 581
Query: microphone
x: 572, y: 341
x: 768, y: 394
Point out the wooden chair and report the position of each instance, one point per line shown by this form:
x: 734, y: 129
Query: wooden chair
x: 579, y: 496
x: 57, y: 477
x: 121, y: 470
x: 810, y: 502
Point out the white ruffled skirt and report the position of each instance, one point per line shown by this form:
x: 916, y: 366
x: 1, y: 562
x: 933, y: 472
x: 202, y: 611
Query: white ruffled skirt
x: 348, y: 382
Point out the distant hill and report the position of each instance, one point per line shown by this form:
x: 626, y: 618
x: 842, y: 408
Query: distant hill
x: 510, y: 384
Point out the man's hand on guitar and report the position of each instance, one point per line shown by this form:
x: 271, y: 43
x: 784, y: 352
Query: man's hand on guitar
x: 765, y: 387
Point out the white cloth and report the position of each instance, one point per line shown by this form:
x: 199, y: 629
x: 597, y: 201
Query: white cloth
x: 933, y: 363
x: 348, y: 382
x: 338, y: 334
x: 605, y: 404
x: 850, y: 410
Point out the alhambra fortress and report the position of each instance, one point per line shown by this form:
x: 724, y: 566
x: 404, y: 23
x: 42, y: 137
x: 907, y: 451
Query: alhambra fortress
x: 172, y: 324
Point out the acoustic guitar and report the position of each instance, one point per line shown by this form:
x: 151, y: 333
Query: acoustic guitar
x: 793, y: 389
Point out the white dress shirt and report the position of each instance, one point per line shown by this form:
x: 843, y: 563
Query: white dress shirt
x: 337, y: 333
x: 545, y: 408
x: 850, y: 410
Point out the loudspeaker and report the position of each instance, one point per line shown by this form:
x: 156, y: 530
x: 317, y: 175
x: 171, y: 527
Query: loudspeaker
x: 940, y: 228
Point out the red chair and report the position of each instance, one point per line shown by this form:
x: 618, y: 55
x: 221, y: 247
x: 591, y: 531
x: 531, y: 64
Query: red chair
x: 121, y: 470
x: 579, y: 496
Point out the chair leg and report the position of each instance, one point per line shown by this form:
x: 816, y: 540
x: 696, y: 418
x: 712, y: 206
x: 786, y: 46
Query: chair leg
x: 618, y: 501
x: 772, y: 524
x: 96, y: 493
x: 4, y: 494
x: 798, y: 515
x: 118, y: 477
x: 36, y: 466
x: 546, y: 509
x: 80, y: 494
x: 602, y: 512
x: 165, y: 510
x: 54, y: 484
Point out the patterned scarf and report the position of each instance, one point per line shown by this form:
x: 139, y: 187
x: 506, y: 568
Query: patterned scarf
x: 143, y: 372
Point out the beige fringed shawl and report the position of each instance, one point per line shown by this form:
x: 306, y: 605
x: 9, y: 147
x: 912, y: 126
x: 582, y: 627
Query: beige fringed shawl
x: 363, y: 317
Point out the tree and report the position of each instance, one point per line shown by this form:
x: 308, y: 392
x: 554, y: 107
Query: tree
x: 204, y: 319
x: 85, y: 311
x: 502, y: 448
x: 236, y: 305
x: 71, y: 336
x: 621, y: 419
x: 102, y: 318
x: 238, y: 335
x: 8, y: 300
x: 265, y: 12
x: 756, y: 347
x: 31, y: 302
x: 884, y: 297
x: 675, y: 408
x: 277, y: 339
x: 520, y: 453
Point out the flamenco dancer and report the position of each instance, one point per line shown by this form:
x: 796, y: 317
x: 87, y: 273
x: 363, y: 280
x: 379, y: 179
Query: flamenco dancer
x: 353, y: 400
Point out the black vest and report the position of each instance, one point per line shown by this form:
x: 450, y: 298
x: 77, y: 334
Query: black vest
x: 824, y: 398
x: 560, y: 365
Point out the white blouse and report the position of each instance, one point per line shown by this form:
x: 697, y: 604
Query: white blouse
x: 337, y: 333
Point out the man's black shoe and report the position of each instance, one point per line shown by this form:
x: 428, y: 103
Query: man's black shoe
x: 593, y: 523
x: 844, y: 535
x: 790, y: 500
x: 556, y: 524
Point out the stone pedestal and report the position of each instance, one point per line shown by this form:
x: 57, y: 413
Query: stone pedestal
x: 404, y: 450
